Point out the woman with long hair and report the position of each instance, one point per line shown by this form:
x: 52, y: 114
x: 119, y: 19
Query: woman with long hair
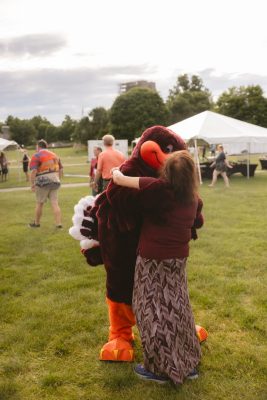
x: 171, y: 214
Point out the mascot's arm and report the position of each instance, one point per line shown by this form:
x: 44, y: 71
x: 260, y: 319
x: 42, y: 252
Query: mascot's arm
x: 124, y: 213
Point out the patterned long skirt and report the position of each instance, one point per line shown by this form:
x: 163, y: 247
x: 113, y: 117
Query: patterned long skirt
x: 164, y: 318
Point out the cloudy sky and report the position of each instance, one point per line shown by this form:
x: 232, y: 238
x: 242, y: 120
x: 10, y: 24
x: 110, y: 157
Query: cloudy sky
x: 61, y: 57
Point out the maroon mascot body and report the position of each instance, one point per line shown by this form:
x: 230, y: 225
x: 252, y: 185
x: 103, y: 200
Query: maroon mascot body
x: 119, y: 220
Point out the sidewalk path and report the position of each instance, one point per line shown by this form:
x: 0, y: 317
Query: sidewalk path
x: 64, y: 185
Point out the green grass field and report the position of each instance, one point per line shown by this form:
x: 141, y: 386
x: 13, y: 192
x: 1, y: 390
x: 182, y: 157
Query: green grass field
x: 53, y: 317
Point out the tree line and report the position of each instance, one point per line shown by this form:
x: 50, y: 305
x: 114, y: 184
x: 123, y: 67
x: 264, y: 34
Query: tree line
x: 139, y: 108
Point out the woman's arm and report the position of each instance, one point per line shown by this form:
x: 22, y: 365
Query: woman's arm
x: 227, y: 164
x: 126, y: 181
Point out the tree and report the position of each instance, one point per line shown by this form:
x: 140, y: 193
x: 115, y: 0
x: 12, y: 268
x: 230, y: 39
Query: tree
x: 99, y: 119
x: 66, y: 129
x: 40, y: 124
x: 22, y: 130
x: 50, y: 133
x: 42, y: 130
x: 83, y: 131
x: 246, y: 103
x: 188, y: 98
x: 136, y: 110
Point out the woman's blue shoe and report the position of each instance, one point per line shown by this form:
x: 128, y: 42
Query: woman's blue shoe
x: 142, y: 373
x: 193, y: 374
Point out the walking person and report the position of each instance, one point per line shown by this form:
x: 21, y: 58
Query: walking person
x: 108, y: 159
x: 221, y: 164
x: 46, y: 171
x: 93, y: 167
x: 171, y: 214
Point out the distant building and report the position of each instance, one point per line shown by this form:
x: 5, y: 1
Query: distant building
x: 125, y: 87
x: 5, y: 132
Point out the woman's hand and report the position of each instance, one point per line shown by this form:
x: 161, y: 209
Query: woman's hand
x: 123, y: 180
x: 116, y: 175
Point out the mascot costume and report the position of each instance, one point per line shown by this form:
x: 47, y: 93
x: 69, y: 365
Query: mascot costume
x: 108, y: 228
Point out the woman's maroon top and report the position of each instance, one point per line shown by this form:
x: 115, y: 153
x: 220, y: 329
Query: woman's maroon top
x: 167, y: 225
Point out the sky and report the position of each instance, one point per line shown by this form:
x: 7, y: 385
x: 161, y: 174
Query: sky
x: 61, y: 57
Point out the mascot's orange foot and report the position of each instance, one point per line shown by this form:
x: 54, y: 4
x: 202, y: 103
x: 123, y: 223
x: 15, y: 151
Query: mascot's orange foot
x: 117, y: 350
x: 202, y: 334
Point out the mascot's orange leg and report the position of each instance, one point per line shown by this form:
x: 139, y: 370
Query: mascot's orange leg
x: 202, y: 334
x: 119, y: 347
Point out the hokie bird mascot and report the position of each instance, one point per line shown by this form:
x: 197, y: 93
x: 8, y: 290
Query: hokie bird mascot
x: 108, y: 227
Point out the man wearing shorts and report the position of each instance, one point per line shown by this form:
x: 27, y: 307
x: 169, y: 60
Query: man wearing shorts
x: 108, y: 159
x: 46, y: 171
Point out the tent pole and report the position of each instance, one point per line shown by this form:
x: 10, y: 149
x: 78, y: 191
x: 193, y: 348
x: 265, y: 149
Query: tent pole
x: 248, y: 159
x: 197, y: 162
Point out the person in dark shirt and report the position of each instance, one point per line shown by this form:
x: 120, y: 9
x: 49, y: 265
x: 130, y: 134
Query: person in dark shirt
x: 3, y: 166
x: 221, y: 164
x: 25, y: 164
x: 160, y: 298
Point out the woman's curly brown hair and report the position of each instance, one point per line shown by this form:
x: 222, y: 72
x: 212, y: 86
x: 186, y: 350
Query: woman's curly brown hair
x: 180, y: 172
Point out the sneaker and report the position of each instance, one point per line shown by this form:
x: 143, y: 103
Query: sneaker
x: 59, y: 226
x: 34, y: 225
x: 142, y: 373
x: 193, y: 374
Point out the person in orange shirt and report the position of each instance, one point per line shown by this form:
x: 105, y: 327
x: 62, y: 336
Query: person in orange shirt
x: 46, y: 171
x: 108, y: 159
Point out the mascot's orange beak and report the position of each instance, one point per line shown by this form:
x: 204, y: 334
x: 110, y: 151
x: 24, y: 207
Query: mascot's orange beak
x: 152, y: 154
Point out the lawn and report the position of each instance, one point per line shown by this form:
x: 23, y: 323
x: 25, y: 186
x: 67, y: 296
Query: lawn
x: 53, y: 317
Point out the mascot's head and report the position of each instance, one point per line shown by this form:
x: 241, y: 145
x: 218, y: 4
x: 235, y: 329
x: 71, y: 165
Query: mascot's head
x: 154, y: 146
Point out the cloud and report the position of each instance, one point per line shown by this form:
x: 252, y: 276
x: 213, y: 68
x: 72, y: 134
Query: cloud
x: 215, y: 82
x: 218, y: 83
x: 54, y: 93
x: 32, y: 45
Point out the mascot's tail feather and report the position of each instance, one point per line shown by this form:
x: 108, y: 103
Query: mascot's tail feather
x: 84, y: 229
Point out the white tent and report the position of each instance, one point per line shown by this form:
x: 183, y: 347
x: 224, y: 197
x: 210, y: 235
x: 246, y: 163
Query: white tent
x: 236, y: 136
x: 8, y: 144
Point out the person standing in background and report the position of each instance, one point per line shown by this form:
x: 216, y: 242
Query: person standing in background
x: 25, y: 164
x: 108, y: 159
x: 97, y: 150
x: 3, y: 166
x: 46, y: 171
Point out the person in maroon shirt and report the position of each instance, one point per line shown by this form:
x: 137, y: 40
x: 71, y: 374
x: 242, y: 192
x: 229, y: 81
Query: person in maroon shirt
x: 93, y: 167
x: 172, y: 213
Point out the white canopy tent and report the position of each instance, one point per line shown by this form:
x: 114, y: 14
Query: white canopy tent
x: 215, y: 128
x: 8, y: 144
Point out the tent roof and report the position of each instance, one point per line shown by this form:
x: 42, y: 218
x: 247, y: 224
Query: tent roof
x: 215, y: 128
x: 7, y: 144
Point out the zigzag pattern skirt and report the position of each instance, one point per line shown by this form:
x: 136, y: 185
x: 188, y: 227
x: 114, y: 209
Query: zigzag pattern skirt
x: 164, y: 318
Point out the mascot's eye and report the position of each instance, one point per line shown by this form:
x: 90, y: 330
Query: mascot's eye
x: 169, y: 148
